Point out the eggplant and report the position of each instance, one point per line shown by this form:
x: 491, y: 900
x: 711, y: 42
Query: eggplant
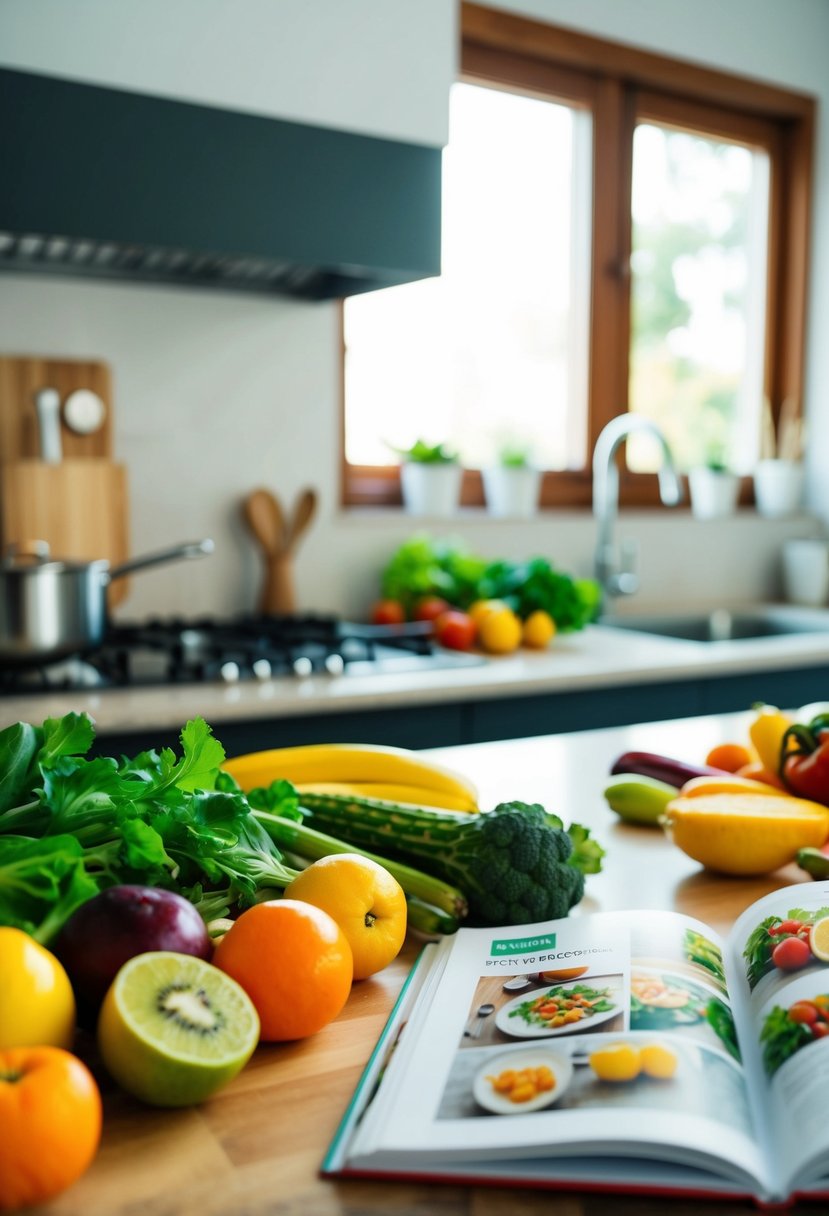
x: 663, y: 768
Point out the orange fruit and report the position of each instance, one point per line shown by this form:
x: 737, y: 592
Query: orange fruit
x: 538, y: 630
x: 294, y: 962
x: 50, y: 1113
x: 37, y: 1005
x: 730, y: 757
x: 365, y: 900
x: 499, y: 631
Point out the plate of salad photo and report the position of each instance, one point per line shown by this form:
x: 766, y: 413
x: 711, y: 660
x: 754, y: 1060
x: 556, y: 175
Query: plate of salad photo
x: 787, y: 1030
x: 555, y: 1010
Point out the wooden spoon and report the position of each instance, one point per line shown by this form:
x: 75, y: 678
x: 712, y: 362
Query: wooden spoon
x: 278, y: 540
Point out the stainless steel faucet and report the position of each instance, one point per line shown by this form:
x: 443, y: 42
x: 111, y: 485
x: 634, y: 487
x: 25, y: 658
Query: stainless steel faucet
x: 617, y: 574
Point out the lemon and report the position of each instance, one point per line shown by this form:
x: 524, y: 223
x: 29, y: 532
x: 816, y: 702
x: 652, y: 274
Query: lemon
x: 745, y: 833
x: 480, y: 608
x: 37, y: 1005
x: 538, y: 630
x: 499, y: 631
x: 658, y: 1061
x: 819, y: 939
x: 616, y: 1062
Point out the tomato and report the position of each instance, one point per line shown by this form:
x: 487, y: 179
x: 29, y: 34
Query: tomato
x: 430, y: 608
x: 50, y: 1113
x: 791, y: 926
x: 803, y: 1011
x: 388, y: 612
x: 819, y: 1030
x: 456, y: 630
x: 791, y: 953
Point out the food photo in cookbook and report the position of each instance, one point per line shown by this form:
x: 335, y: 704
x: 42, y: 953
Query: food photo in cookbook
x: 621, y: 1071
x: 543, y: 1005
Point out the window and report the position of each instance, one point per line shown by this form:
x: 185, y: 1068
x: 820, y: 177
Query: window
x: 620, y: 232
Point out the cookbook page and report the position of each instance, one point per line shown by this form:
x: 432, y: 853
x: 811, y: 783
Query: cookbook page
x: 778, y: 962
x: 547, y: 1038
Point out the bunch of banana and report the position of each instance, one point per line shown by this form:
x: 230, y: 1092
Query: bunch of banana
x: 364, y: 770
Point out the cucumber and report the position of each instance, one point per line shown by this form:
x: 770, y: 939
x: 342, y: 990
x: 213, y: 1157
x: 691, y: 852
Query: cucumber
x: 640, y: 800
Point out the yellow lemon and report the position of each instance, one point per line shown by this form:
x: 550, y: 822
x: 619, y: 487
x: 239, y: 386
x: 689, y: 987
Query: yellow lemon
x: 480, y: 608
x: 616, y: 1062
x: 538, y: 630
x: 37, y: 1005
x: 499, y: 631
x: 819, y: 939
x: 658, y: 1061
x: 745, y: 833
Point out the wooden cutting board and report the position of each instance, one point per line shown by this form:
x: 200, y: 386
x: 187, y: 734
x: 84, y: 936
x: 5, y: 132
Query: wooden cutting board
x: 22, y: 376
x: 79, y: 507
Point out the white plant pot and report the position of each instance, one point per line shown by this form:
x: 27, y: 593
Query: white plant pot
x: 430, y: 489
x: 714, y: 493
x: 511, y: 491
x: 778, y: 487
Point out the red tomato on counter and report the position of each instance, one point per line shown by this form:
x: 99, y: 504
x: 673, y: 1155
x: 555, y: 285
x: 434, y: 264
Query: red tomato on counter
x: 456, y: 630
x: 430, y: 608
x: 388, y: 612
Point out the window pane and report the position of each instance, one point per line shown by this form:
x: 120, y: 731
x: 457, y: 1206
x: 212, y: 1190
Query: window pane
x: 700, y: 217
x: 494, y: 351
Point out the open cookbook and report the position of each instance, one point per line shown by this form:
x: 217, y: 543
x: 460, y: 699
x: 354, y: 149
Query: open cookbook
x: 629, y: 1051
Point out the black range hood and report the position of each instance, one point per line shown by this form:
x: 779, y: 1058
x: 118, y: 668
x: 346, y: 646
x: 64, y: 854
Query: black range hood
x: 105, y: 183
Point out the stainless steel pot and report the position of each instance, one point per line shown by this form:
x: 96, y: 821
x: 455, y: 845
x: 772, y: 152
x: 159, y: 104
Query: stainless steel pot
x: 50, y: 609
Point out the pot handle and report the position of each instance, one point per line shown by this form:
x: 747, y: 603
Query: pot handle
x: 196, y: 548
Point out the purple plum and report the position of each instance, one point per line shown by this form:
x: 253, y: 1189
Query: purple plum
x: 114, y: 926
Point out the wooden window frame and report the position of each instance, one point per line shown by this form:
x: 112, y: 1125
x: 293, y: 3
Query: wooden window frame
x: 622, y: 85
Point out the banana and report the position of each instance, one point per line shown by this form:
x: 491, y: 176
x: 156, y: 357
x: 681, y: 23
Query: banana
x: 637, y: 799
x: 346, y: 763
x: 415, y: 795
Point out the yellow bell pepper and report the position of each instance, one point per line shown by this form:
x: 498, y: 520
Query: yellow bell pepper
x: 766, y: 733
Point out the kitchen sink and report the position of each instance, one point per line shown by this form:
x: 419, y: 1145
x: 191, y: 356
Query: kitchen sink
x: 726, y: 625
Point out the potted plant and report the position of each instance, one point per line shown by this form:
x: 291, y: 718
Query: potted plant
x: 511, y: 486
x: 778, y: 475
x: 714, y: 489
x: 430, y: 478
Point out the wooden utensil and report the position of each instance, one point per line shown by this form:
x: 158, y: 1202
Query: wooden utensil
x: 278, y: 538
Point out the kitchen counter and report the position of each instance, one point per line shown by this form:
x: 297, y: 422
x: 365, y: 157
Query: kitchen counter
x: 644, y: 676
x: 255, y: 1149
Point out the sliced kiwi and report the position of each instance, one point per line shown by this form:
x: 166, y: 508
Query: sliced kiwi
x: 174, y: 1029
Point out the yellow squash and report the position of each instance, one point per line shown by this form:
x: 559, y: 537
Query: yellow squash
x: 739, y: 833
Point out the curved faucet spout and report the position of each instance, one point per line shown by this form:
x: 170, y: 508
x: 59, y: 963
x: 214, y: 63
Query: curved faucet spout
x: 620, y: 578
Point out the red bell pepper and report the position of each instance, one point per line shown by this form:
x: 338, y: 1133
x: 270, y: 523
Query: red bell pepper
x: 804, y: 765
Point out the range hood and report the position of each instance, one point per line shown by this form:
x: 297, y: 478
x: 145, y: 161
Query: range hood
x: 105, y: 183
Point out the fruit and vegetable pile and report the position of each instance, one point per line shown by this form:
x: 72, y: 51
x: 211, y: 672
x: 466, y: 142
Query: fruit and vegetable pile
x: 495, y: 605
x: 749, y: 807
x: 786, y: 1031
x: 181, y: 909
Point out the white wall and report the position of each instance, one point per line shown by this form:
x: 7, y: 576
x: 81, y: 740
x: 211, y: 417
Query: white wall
x: 218, y: 393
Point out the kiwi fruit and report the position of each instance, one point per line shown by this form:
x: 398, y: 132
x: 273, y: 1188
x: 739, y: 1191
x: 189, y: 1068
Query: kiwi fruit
x: 173, y: 1029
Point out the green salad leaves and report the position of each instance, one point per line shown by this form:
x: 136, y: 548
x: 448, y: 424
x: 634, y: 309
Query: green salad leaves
x: 70, y: 826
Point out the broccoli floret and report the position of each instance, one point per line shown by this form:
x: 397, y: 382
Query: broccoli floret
x: 515, y: 864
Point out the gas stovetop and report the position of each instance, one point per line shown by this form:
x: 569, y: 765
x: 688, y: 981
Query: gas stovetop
x: 177, y: 651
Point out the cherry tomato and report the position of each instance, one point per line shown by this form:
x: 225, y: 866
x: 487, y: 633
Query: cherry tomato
x: 803, y: 1011
x: 819, y: 1030
x: 455, y: 630
x: 388, y: 612
x: 791, y: 926
x: 430, y: 608
x: 791, y: 953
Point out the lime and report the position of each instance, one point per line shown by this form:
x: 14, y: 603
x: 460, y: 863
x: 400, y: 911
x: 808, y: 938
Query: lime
x: 173, y: 1029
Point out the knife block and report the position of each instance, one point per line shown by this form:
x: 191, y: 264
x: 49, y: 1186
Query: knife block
x: 79, y: 507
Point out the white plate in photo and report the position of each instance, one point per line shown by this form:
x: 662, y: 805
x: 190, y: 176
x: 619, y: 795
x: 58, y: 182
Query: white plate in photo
x: 529, y: 1057
x: 520, y: 1029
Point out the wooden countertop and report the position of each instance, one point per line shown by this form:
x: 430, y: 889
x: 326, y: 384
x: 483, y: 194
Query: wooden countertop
x: 255, y: 1149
